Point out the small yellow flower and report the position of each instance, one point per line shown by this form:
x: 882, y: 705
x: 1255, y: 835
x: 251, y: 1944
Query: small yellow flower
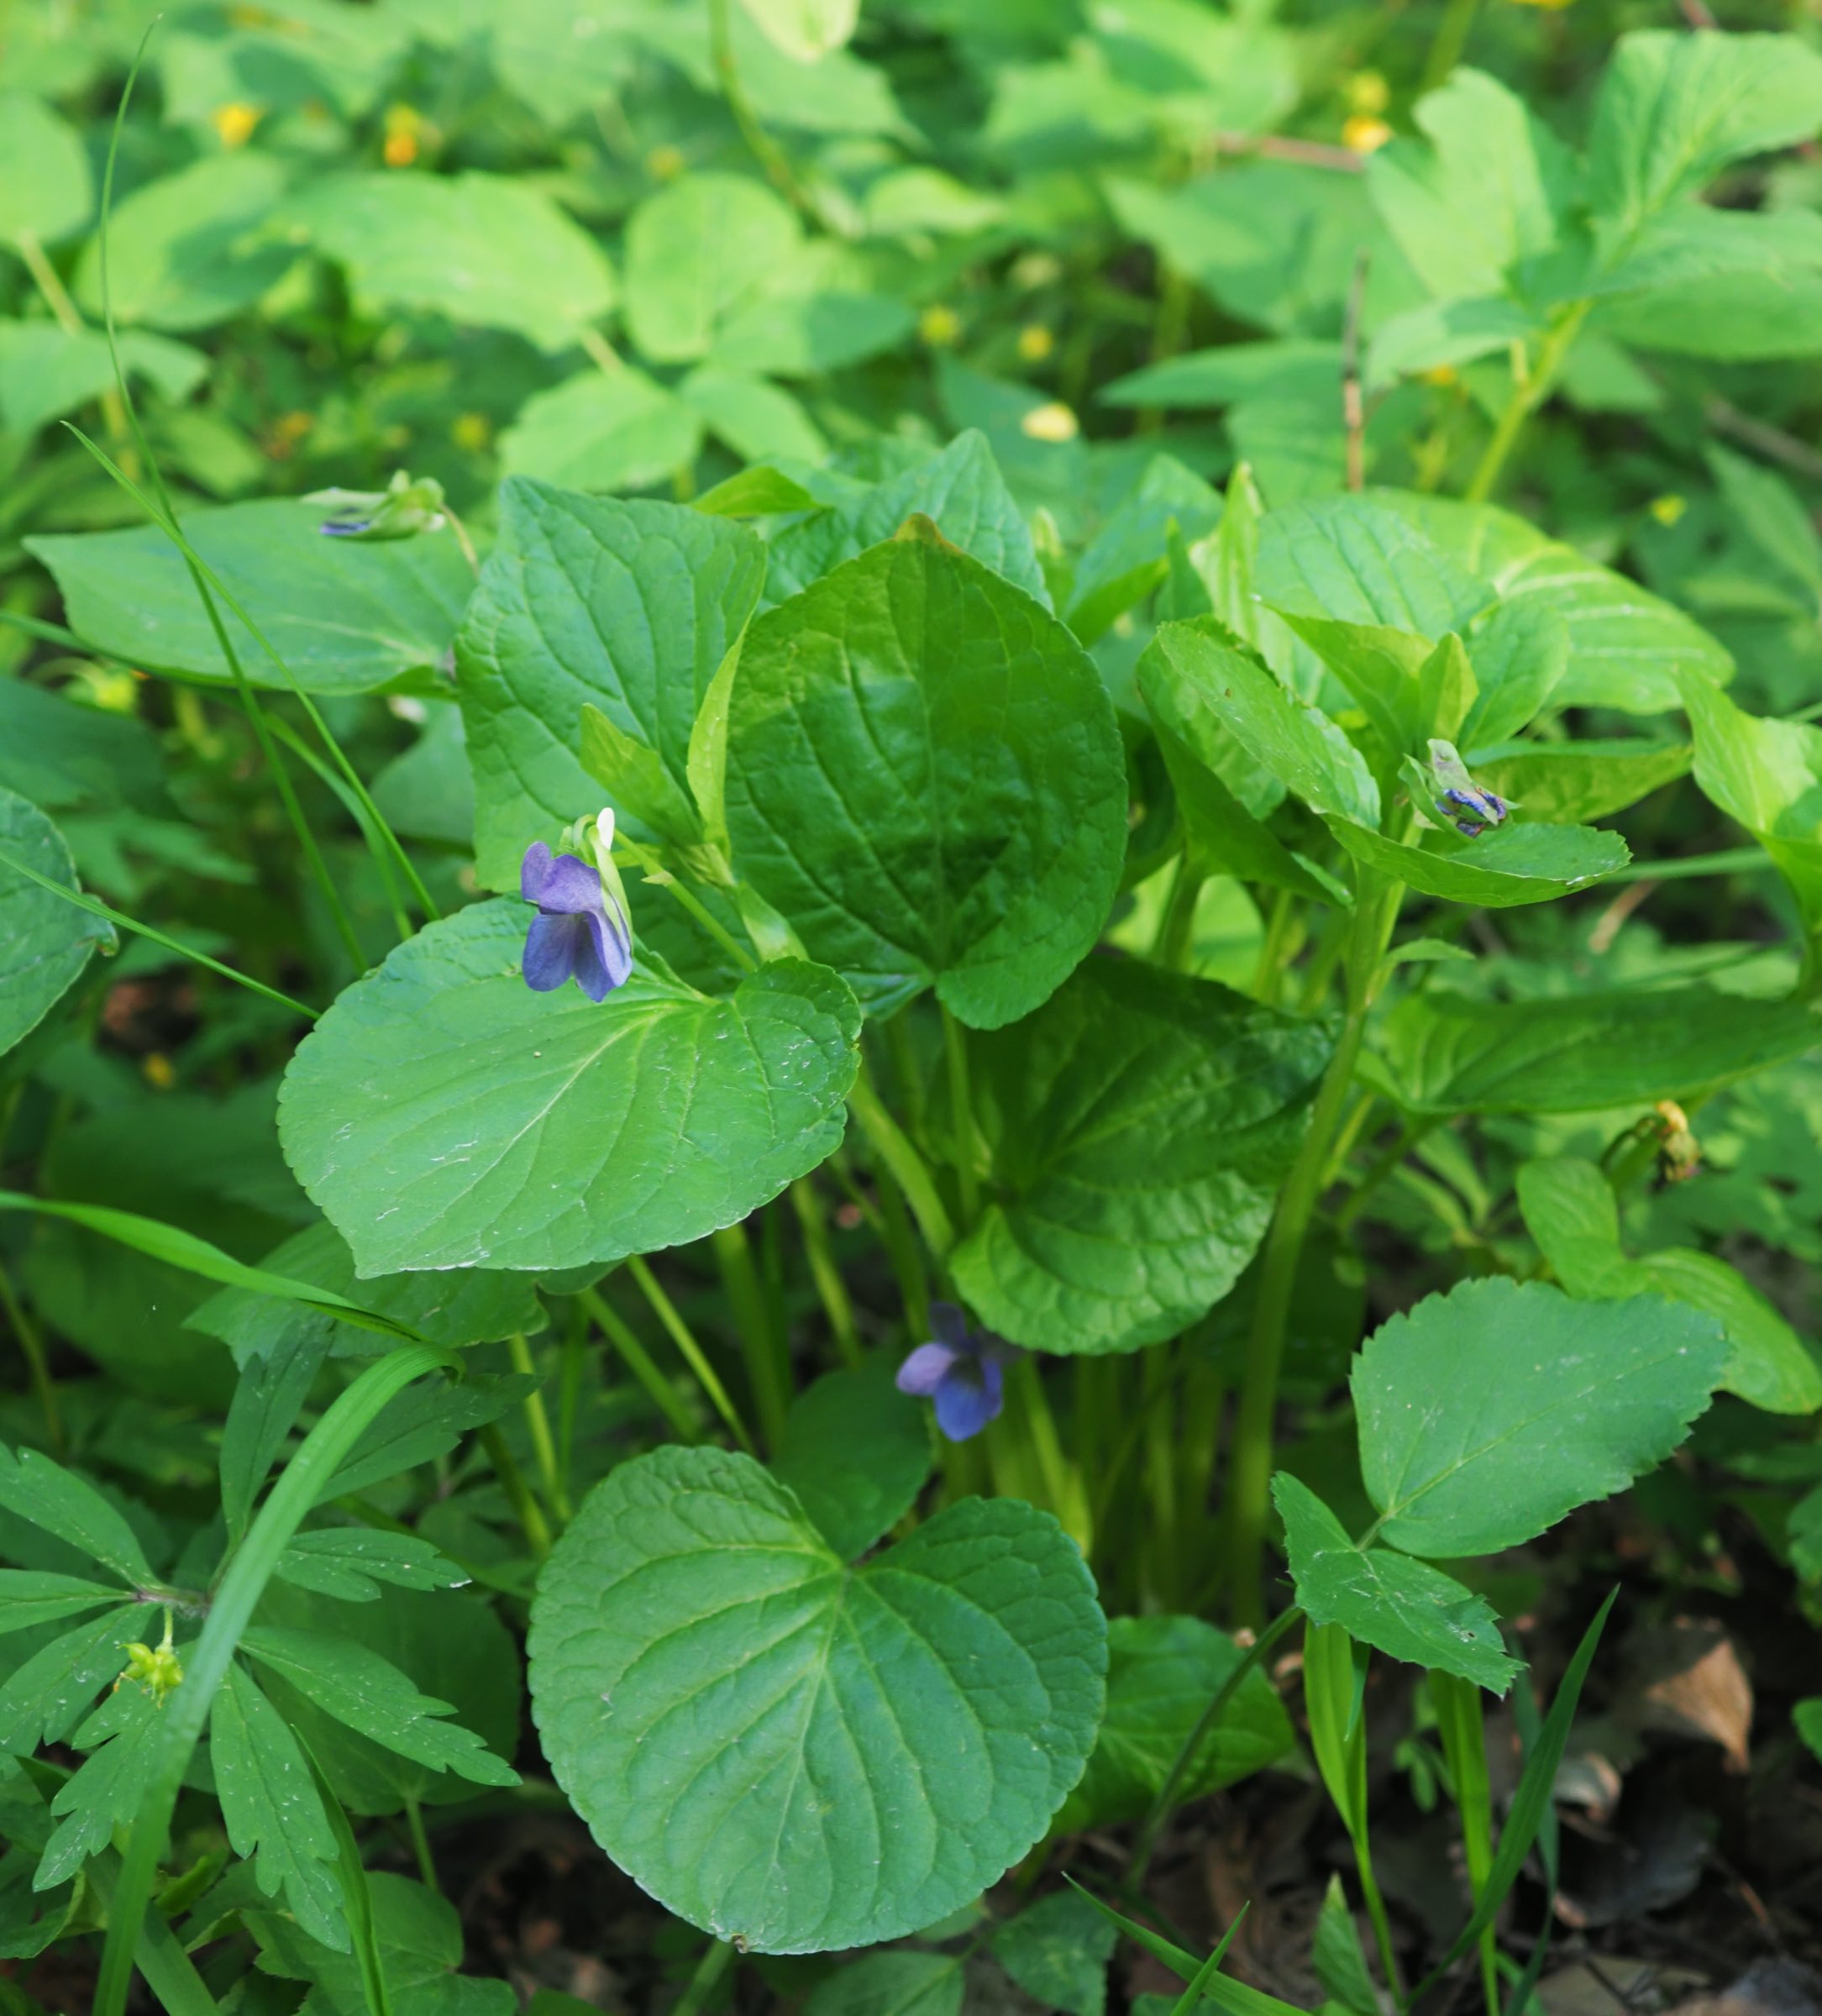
x: 1052, y: 422
x: 939, y: 325
x: 1549, y: 6
x: 1440, y: 374
x: 283, y: 437
x: 1667, y: 508
x: 403, y: 125
x: 234, y: 123
x: 1036, y: 342
x: 160, y: 1073
x: 1367, y: 91
x: 471, y: 432
x: 159, y: 1671
x: 666, y: 163
x: 1365, y: 135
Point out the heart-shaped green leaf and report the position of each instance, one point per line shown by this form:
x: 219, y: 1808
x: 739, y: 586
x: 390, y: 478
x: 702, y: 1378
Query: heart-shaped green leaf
x: 442, y: 1115
x: 795, y: 1754
x: 1140, y: 1123
x: 925, y: 778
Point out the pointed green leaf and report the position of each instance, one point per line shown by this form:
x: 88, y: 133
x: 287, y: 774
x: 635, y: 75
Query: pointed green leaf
x: 1451, y: 1053
x: 444, y: 1116
x: 1675, y: 107
x: 1519, y: 654
x: 960, y: 490
x: 1488, y: 1413
x: 1291, y: 740
x: 44, y: 943
x: 1572, y: 782
x: 587, y: 602
x: 1517, y: 862
x: 1140, y: 1123
x: 1400, y: 1606
x: 347, y: 1680
x: 272, y: 1810
x: 351, y: 1562
x: 1768, y: 774
x: 122, y: 1739
x: 795, y: 1753
x: 1351, y: 559
x: 30, y: 1597
x: 984, y: 851
x: 43, y: 1494
x: 1625, y: 645
x: 43, y: 1699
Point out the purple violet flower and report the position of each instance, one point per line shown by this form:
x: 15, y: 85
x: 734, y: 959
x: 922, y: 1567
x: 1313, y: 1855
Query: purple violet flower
x: 579, y: 932
x: 1479, y: 810
x: 959, y: 1370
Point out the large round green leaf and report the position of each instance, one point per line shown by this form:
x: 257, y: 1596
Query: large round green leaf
x: 795, y: 1753
x: 925, y: 777
x: 442, y: 1115
x: 1141, y: 1122
x: 44, y: 941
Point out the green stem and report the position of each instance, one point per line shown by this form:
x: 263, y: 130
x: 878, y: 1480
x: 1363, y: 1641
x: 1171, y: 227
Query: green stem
x: 526, y: 1509
x: 170, y: 1973
x: 762, y: 1347
x: 640, y: 1362
x: 961, y: 1115
x: 907, y: 1256
x: 537, y: 1427
x: 1209, y: 1720
x: 1526, y: 398
x: 655, y: 872
x: 763, y: 148
x: 31, y: 1345
x: 1382, y: 1166
x: 1452, y: 32
x: 693, y: 1356
x: 321, y: 1455
x: 414, y: 1825
x: 1375, y: 912
x: 1175, y: 943
x: 350, y: 805
x: 97, y: 908
x: 1062, y: 1482
x: 1270, y: 973
x: 908, y: 1168
x: 701, y: 1984
x: 832, y: 1291
x: 1461, y: 1726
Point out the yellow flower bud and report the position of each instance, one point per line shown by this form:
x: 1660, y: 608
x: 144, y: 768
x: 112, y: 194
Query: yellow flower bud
x: 939, y: 325
x: 1053, y: 423
x: 1667, y: 508
x: 1367, y: 91
x: 1036, y: 342
x: 666, y: 163
x: 1365, y: 135
x: 234, y: 123
x: 471, y: 431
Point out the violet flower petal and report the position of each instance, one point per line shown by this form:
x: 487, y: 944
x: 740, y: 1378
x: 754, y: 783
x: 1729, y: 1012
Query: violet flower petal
x: 926, y: 1369
x: 970, y: 1397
